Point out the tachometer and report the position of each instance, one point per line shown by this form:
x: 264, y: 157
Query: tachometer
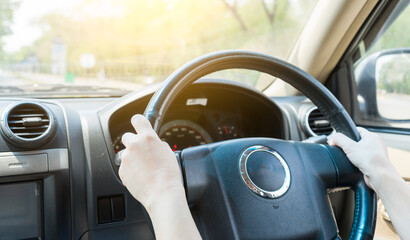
x: 181, y: 134
x: 228, y: 132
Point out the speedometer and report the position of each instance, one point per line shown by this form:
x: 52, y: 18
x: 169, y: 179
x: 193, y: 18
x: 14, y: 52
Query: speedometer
x: 181, y: 134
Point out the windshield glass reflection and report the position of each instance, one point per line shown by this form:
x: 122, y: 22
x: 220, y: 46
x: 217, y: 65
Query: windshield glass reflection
x: 128, y: 44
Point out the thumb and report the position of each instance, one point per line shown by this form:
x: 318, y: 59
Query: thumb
x: 345, y: 143
x: 367, y: 180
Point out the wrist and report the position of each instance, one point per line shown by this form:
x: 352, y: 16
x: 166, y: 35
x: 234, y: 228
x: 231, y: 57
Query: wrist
x: 168, y: 196
x: 171, y: 216
x: 383, y: 177
x: 378, y: 169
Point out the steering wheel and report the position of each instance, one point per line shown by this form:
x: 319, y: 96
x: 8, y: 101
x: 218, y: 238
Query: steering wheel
x: 263, y: 188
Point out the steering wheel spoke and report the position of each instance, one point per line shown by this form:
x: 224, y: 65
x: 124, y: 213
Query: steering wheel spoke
x: 215, y: 186
x: 267, y: 188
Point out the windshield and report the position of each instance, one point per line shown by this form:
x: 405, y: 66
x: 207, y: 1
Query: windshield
x: 111, y: 47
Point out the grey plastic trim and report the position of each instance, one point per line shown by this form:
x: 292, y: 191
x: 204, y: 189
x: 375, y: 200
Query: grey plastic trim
x: 27, y: 162
x: 305, y: 122
x: 28, y: 142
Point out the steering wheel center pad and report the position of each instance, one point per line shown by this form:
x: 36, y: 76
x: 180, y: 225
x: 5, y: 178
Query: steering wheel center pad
x: 345, y: 174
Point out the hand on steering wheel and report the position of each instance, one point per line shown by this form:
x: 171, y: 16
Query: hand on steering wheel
x: 230, y: 202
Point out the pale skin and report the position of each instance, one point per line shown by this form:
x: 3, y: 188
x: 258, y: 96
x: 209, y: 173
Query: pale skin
x: 151, y: 173
x: 370, y: 156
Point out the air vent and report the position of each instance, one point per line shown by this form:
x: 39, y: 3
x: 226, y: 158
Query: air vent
x: 316, y: 123
x: 28, y: 125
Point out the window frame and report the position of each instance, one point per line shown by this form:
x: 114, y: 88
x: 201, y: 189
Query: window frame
x: 342, y: 81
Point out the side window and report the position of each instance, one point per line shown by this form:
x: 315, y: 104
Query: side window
x: 382, y: 73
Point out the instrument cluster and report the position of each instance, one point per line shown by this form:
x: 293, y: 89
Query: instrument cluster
x: 181, y: 134
x: 206, y: 113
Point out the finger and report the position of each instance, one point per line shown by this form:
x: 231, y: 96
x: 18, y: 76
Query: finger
x: 362, y: 131
x: 345, y: 143
x: 140, y: 123
x: 367, y: 135
x: 125, y: 157
x: 122, y: 175
x: 166, y: 144
x: 368, y: 183
x: 126, y: 139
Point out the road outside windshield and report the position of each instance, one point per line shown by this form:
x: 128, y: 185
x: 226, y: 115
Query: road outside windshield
x: 83, y: 47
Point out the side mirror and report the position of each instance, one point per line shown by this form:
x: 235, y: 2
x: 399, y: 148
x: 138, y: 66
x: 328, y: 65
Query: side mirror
x: 383, y: 85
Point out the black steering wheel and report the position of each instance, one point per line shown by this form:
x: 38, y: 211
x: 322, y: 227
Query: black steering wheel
x: 263, y: 188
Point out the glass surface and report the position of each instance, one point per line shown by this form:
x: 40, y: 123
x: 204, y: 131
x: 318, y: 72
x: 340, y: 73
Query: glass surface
x: 20, y: 211
x: 391, y: 71
x: 55, y: 48
x: 393, y: 86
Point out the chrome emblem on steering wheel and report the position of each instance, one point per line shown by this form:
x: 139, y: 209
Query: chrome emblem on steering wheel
x: 264, y: 171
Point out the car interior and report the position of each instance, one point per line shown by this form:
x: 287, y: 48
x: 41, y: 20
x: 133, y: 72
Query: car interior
x: 59, y: 154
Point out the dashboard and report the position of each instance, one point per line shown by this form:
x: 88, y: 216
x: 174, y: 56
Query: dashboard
x: 57, y: 167
x: 208, y: 112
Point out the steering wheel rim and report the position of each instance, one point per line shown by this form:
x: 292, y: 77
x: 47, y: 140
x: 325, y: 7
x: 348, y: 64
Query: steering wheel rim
x: 365, y: 199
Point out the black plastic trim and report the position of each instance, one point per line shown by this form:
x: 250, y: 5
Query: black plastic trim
x: 28, y: 143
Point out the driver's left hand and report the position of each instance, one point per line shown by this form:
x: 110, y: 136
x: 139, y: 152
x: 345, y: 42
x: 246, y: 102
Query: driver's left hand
x: 149, y: 168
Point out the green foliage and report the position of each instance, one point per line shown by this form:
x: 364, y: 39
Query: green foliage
x: 394, y: 74
x: 154, y: 37
x: 6, y: 16
x: 397, y: 35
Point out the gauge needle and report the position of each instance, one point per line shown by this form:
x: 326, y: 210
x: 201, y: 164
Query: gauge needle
x: 226, y: 130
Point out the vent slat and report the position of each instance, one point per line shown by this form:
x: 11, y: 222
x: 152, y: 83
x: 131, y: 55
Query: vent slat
x: 29, y: 134
x: 316, y: 127
x: 318, y: 123
x: 16, y: 121
x: 28, y: 125
x: 30, y: 128
x: 21, y: 121
x: 28, y: 115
